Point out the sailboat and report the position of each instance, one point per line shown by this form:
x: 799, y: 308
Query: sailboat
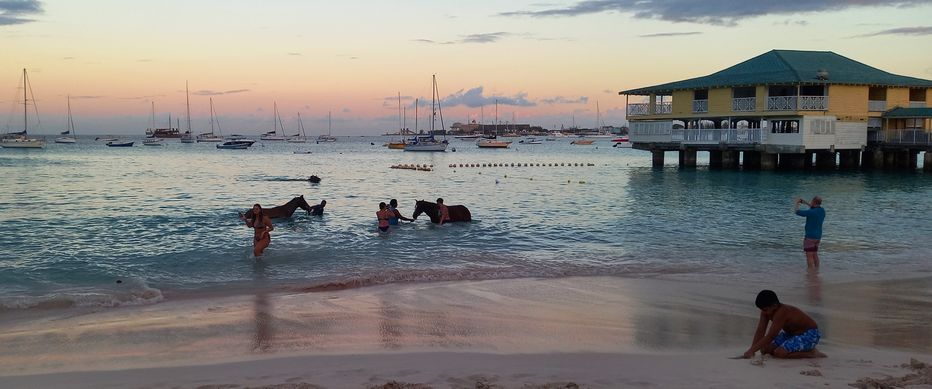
x: 187, y: 136
x: 582, y: 141
x: 273, y: 135
x: 399, y: 145
x: 429, y: 142
x: 211, y: 136
x: 69, y: 133
x: 299, y: 138
x: 492, y: 142
x: 20, y: 140
x: 328, y: 137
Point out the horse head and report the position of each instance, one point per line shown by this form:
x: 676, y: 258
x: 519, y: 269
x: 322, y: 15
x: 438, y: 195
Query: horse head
x: 300, y: 202
x: 418, y: 209
x: 426, y: 206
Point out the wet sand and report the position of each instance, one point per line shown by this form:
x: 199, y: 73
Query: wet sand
x: 592, y: 331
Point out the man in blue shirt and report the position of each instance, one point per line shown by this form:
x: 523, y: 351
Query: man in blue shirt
x: 815, y: 215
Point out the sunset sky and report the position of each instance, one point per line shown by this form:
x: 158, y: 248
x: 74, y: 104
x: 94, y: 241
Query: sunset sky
x: 546, y: 63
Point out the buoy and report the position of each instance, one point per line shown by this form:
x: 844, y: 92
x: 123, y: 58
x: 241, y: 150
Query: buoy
x: 506, y: 176
x: 582, y: 182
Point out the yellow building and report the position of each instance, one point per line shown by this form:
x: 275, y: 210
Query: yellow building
x: 785, y: 103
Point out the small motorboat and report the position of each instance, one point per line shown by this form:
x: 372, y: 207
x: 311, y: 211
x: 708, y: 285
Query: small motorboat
x: 115, y: 143
x: 153, y: 142
x: 302, y: 151
x: 234, y: 145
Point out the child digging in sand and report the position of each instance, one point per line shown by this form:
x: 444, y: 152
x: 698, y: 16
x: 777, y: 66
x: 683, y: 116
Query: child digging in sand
x: 792, y: 334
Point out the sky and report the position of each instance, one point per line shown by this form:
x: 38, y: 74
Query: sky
x: 546, y: 63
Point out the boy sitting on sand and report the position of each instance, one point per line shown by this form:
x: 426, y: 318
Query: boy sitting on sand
x: 793, y: 333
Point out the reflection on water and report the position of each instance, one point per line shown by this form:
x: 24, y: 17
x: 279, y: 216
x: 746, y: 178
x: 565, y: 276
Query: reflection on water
x: 262, y: 310
x: 814, y: 286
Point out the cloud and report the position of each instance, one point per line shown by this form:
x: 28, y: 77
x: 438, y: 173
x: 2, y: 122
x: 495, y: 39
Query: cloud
x: 293, y: 54
x: 669, y: 34
x: 564, y: 100
x: 144, y: 60
x: 789, y: 22
x: 68, y: 58
x: 346, y: 110
x: 910, y: 31
x: 719, y: 12
x: 489, y: 37
x: 149, y: 97
x: 475, y: 98
x: 85, y: 97
x: 12, y: 11
x: 208, y: 92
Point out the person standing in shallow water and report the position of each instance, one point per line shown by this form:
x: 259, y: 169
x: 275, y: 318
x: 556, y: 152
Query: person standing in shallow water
x: 792, y: 333
x: 262, y: 226
x: 383, y: 215
x: 443, y: 212
x: 815, y: 215
x: 393, y: 208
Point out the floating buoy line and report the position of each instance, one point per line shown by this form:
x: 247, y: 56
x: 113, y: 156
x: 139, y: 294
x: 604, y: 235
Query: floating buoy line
x: 418, y: 167
x: 526, y: 164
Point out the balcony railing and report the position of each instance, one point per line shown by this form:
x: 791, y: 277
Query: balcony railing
x: 700, y: 106
x: 797, y: 103
x: 638, y: 109
x: 917, y: 104
x: 717, y: 136
x: 744, y: 104
x: 876, y: 105
x: 908, y: 136
x: 663, y: 108
x: 875, y: 136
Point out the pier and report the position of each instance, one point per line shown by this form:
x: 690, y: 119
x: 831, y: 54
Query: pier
x: 788, y: 109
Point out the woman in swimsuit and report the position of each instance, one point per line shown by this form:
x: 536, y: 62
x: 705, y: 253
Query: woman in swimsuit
x: 262, y: 224
x: 383, y: 215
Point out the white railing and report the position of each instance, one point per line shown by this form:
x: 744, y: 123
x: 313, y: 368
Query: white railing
x: 663, y: 108
x: 813, y: 103
x: 876, y: 105
x: 638, y: 109
x: 700, y: 106
x: 717, y: 136
x: 917, y: 104
x: 904, y: 136
x: 797, y: 103
x: 744, y: 104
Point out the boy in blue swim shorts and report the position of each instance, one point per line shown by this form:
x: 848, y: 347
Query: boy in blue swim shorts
x: 791, y: 334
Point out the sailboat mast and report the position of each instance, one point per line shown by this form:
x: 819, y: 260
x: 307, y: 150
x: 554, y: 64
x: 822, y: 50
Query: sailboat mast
x: 301, y: 122
x: 415, y: 115
x: 433, y: 102
x: 496, y: 116
x: 211, y: 115
x: 70, y: 120
x: 275, y: 117
x: 598, y: 117
x: 187, y: 104
x: 329, y: 123
x: 25, y: 104
x: 400, y: 125
x: 152, y: 118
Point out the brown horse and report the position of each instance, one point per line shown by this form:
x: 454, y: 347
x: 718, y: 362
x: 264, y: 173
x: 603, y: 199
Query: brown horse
x: 458, y: 213
x: 285, y: 210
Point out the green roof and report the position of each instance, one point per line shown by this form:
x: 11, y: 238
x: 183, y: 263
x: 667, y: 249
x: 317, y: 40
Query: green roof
x: 778, y: 67
x: 901, y: 112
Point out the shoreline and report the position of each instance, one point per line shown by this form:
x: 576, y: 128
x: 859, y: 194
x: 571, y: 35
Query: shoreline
x: 651, y: 321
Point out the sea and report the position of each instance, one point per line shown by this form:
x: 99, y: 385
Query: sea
x: 85, y: 225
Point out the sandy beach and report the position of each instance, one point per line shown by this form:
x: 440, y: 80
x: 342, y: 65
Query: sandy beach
x: 589, y: 331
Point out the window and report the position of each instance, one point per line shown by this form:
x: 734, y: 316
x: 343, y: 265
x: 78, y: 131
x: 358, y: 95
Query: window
x: 812, y: 90
x: 917, y: 94
x: 743, y: 92
x: 784, y: 126
x: 822, y: 127
x: 701, y: 94
x: 914, y: 124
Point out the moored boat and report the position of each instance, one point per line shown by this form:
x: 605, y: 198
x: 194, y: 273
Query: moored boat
x: 20, y: 140
x: 116, y: 143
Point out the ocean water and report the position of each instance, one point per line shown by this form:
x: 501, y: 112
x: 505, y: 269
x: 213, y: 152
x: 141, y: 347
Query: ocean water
x: 88, y: 225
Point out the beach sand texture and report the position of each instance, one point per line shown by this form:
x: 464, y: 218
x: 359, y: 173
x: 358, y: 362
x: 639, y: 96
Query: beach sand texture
x: 589, y: 331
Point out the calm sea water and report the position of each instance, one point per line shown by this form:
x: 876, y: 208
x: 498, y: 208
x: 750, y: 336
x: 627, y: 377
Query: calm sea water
x: 163, y: 221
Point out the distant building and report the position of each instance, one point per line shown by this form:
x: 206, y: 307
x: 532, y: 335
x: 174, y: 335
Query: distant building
x: 491, y: 129
x: 788, y: 103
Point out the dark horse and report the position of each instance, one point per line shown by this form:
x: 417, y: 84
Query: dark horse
x: 458, y: 213
x: 285, y: 210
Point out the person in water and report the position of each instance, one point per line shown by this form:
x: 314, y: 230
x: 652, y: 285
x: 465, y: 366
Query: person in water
x: 815, y: 215
x: 318, y: 210
x: 383, y: 215
x: 443, y: 212
x: 393, y: 208
x: 792, y: 333
x: 262, y: 224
